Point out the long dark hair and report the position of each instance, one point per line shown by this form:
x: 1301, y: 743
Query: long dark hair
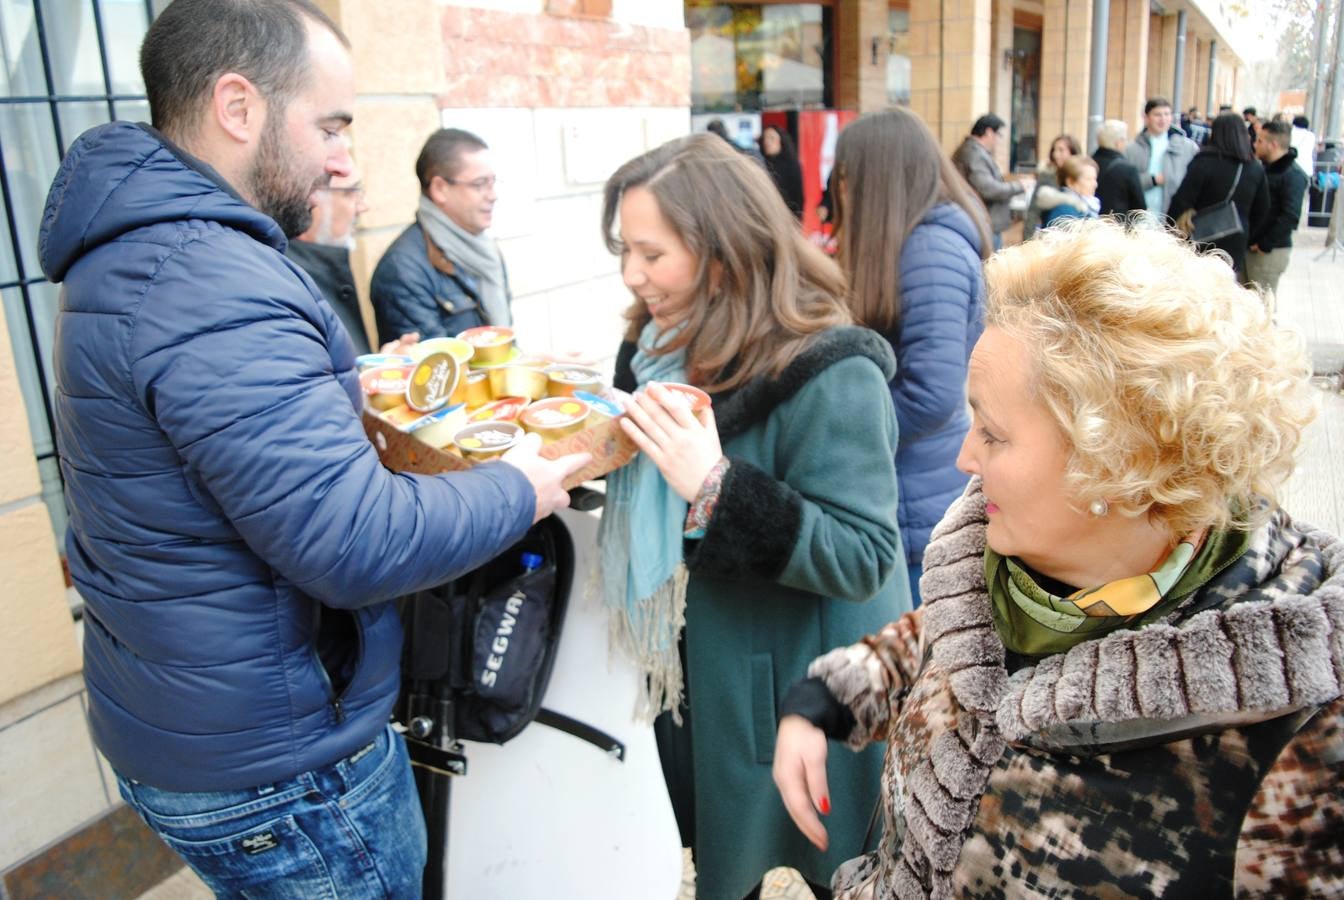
x: 1229, y: 137
x: 893, y: 173
x: 763, y: 290
x: 786, y: 148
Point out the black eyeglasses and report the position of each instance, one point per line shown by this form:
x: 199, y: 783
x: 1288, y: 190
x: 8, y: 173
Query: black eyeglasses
x: 479, y: 185
x: 354, y: 189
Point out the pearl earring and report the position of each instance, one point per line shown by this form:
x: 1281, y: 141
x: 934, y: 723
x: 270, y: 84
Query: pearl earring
x: 1099, y: 508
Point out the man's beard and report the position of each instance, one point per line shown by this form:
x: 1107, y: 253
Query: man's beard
x: 277, y: 188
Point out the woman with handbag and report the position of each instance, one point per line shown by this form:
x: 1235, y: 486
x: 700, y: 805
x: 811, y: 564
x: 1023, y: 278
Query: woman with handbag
x: 1224, y: 197
x: 748, y: 537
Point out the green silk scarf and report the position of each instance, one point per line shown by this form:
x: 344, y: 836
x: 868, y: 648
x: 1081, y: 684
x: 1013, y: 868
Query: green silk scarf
x: 1035, y: 622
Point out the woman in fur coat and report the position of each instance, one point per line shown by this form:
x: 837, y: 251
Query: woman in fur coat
x: 1125, y: 679
x: 750, y: 535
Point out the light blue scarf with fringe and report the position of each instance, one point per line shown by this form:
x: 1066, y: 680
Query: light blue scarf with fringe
x: 643, y: 575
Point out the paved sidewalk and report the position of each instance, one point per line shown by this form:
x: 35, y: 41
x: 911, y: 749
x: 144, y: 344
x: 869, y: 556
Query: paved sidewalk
x: 1311, y: 302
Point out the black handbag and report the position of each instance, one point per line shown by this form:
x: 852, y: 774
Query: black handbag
x: 1219, y: 220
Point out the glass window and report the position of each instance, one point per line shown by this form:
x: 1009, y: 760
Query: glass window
x: 898, y: 62
x: 753, y: 56
x: 20, y: 54
x: 1026, y: 99
x: 133, y: 110
x: 124, y: 26
x: 78, y: 117
x: 72, y: 44
x: 30, y: 165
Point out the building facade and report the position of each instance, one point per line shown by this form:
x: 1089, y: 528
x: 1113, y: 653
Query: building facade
x: 1029, y: 61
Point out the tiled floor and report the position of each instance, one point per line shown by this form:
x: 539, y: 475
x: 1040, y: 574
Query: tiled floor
x: 1311, y: 301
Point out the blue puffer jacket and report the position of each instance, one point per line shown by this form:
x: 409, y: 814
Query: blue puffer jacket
x: 231, y: 528
x: 942, y: 311
x: 409, y: 292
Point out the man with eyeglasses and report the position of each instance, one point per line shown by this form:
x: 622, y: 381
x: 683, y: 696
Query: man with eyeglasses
x: 444, y: 274
x: 323, y: 251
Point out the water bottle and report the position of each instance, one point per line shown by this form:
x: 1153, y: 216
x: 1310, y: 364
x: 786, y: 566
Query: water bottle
x: 531, y: 562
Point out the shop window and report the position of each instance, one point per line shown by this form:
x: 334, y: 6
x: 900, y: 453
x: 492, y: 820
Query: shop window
x: 759, y: 56
x: 1026, y: 99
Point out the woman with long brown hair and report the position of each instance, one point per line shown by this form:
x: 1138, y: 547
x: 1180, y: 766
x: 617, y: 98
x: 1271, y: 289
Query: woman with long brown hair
x: 912, y: 235
x: 748, y: 535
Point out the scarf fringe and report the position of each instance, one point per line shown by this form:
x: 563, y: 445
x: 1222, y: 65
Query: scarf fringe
x: 643, y: 638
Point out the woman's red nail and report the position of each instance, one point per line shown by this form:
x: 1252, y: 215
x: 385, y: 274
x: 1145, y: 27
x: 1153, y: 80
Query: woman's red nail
x: 825, y: 806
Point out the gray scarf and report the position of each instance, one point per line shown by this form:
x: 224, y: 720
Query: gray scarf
x: 476, y: 254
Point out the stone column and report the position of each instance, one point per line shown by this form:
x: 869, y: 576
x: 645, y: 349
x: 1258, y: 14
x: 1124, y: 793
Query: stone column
x: 1066, y: 65
x: 950, y: 65
x: 1127, y: 61
x: 861, y: 51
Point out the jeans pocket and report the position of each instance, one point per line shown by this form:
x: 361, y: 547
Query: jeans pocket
x: 274, y: 859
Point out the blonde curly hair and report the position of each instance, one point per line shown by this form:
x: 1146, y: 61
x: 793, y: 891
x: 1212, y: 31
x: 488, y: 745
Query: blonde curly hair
x: 1181, y: 399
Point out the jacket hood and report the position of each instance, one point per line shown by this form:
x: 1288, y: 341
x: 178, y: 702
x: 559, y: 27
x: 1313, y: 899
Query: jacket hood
x: 949, y: 215
x: 121, y: 177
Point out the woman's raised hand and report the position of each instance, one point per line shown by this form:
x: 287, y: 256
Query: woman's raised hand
x: 682, y: 444
x: 800, y: 775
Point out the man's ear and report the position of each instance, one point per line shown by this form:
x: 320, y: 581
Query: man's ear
x: 438, y: 190
x: 237, y: 108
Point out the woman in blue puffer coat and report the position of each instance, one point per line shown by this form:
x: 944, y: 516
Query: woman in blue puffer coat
x: 912, y: 237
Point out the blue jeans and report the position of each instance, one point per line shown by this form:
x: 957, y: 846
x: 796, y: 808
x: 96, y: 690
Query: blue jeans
x: 352, y: 829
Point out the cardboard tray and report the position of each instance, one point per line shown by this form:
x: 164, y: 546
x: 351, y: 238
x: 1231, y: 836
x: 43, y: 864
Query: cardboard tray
x: 400, y: 452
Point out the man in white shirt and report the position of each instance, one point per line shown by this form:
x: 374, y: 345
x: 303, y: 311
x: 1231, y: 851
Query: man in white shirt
x: 1304, y: 142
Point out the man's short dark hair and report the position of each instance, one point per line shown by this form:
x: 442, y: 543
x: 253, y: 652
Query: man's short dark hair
x: 193, y: 42
x: 987, y: 122
x: 442, y: 154
x: 1248, y: 111
x: 1155, y: 103
x: 1280, y: 132
x: 1301, y: 122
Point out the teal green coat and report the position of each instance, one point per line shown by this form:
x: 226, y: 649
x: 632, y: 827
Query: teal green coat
x: 803, y: 554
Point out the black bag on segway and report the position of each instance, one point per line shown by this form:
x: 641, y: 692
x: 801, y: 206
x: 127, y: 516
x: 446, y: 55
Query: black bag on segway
x: 490, y: 638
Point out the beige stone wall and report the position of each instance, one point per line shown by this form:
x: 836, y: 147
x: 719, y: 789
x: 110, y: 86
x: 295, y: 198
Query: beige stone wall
x: 950, y: 43
x: 1127, y: 61
x: 1066, y: 59
x: 37, y: 642
x: 561, y: 100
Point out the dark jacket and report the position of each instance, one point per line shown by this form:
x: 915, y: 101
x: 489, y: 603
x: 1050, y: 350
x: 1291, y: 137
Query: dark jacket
x: 329, y: 267
x: 1118, y: 185
x: 416, y: 288
x: 1287, y: 184
x: 1208, y: 180
x: 787, y: 173
x: 802, y: 547
x: 942, y: 304
x: 232, y: 531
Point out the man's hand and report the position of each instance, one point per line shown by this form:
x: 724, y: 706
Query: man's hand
x: 800, y: 775
x: 402, y: 344
x: 546, y: 475
x: 1159, y: 178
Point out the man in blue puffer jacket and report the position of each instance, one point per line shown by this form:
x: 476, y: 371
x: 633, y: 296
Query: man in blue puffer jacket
x: 232, y: 532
